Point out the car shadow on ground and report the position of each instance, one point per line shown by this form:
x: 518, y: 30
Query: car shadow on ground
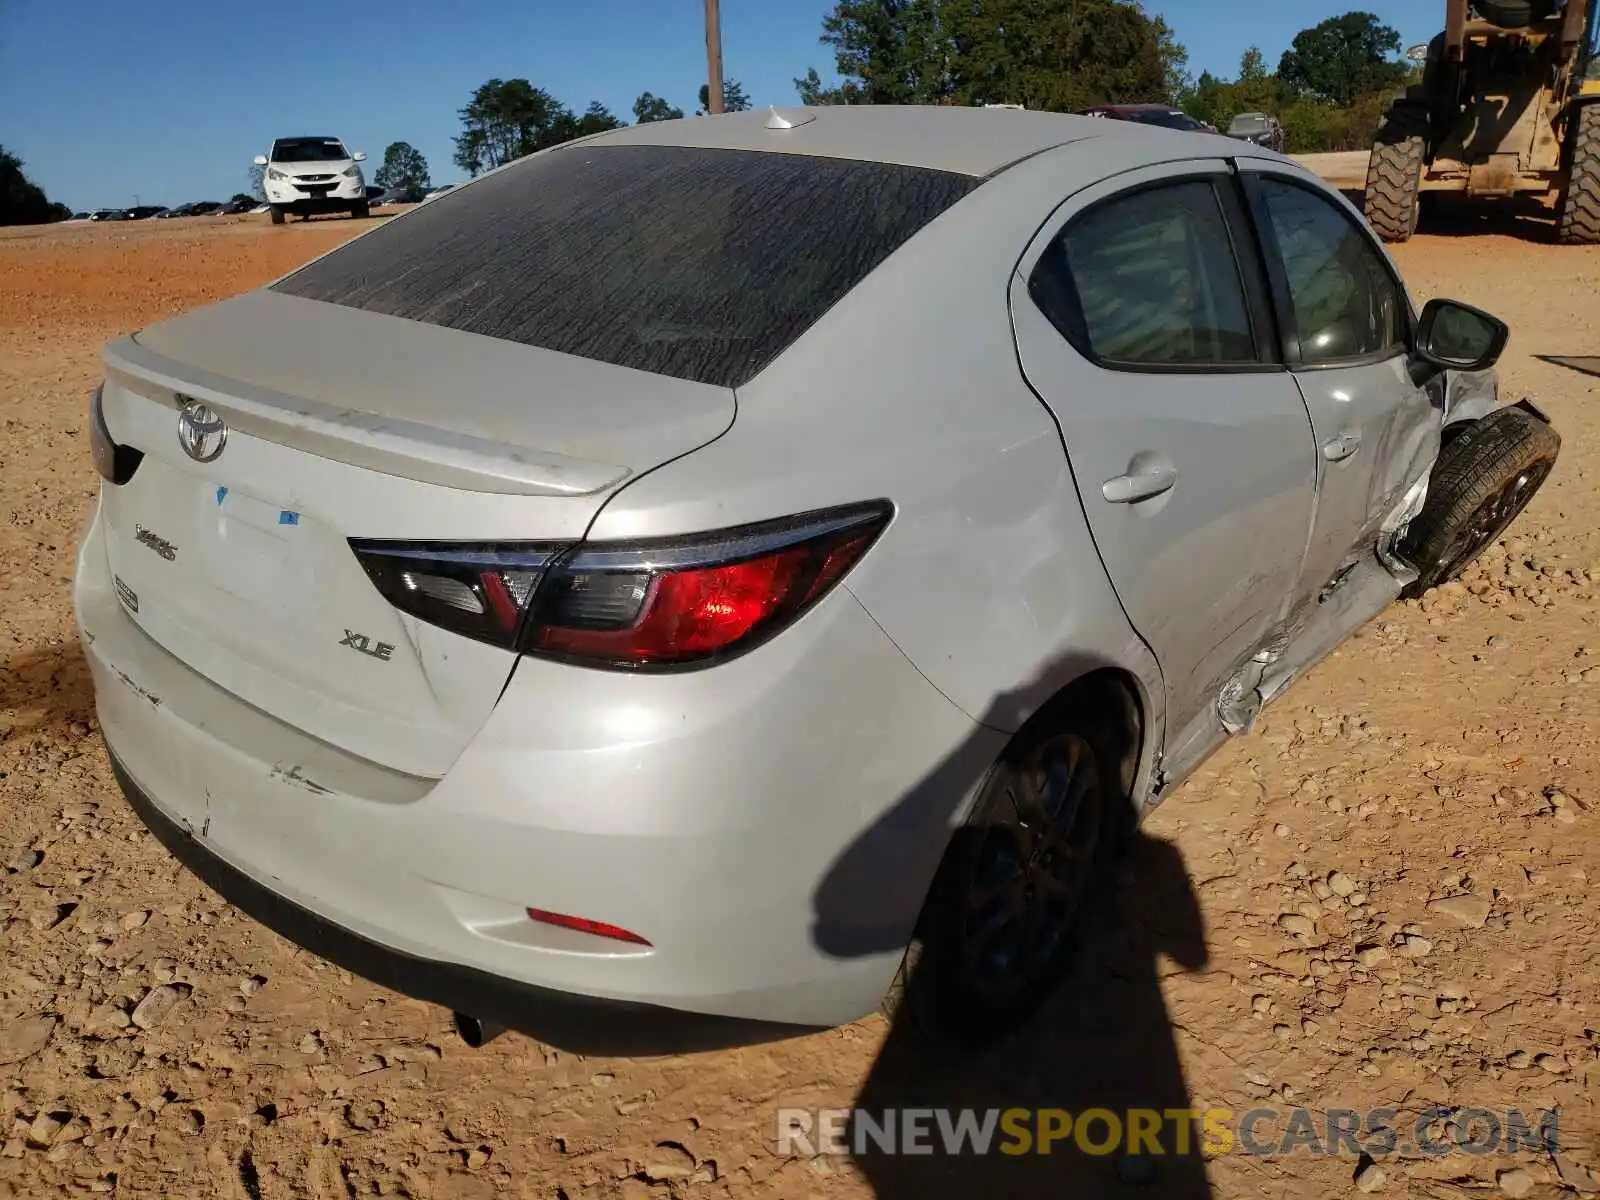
x: 1104, y: 1041
x: 1585, y: 364
x: 43, y: 686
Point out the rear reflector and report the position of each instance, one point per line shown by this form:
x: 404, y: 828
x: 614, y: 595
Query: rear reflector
x: 583, y: 925
x: 662, y: 603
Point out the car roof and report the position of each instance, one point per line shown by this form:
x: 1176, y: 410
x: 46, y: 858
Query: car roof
x: 968, y: 141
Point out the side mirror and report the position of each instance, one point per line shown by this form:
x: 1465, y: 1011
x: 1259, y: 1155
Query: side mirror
x: 1460, y: 337
x: 360, y: 156
x: 260, y: 160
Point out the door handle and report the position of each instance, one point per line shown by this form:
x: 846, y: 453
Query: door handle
x: 1342, y: 447
x: 1140, y: 485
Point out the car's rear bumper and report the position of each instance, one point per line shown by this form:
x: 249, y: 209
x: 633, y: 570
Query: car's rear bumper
x: 769, y: 825
x: 580, y: 1024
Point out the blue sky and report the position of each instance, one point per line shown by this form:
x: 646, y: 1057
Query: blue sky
x: 106, y: 99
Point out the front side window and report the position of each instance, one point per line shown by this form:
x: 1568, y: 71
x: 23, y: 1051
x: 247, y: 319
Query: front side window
x: 1149, y: 279
x: 1344, y: 302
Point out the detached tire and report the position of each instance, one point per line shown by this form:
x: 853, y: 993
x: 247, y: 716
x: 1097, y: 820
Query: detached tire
x: 1484, y: 478
x: 1578, y: 214
x: 277, y: 215
x: 361, y: 211
x: 1000, y: 928
x: 1394, y: 173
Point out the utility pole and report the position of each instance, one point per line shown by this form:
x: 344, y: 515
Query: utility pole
x: 713, y: 57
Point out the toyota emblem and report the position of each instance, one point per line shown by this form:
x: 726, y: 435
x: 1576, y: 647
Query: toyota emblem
x: 201, y: 433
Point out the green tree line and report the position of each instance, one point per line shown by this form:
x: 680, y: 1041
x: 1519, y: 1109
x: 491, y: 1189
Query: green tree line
x: 1330, y: 90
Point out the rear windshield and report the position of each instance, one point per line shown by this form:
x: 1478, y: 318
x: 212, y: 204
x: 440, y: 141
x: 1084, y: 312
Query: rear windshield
x: 699, y: 264
x: 297, y: 150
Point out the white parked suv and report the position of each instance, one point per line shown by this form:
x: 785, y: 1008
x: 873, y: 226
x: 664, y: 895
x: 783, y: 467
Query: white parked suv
x: 309, y: 175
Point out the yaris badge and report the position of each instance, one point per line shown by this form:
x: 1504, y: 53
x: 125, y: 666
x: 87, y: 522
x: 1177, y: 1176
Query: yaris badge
x: 201, y: 433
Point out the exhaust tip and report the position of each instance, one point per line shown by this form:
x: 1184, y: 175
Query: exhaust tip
x: 474, y: 1031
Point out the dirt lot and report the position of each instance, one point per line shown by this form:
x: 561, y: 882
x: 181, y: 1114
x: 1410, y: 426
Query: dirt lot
x: 1449, y: 752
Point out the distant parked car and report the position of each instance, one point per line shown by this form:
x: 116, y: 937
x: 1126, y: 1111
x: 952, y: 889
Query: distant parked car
x: 144, y: 211
x: 1259, y: 129
x: 437, y: 192
x: 1163, y: 115
x: 109, y: 214
x: 400, y: 195
x: 83, y: 216
x: 237, y: 206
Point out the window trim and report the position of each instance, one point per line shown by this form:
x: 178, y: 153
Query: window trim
x: 1250, y: 182
x: 1257, y: 300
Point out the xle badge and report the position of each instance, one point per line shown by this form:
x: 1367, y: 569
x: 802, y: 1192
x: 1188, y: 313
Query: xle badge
x: 361, y: 642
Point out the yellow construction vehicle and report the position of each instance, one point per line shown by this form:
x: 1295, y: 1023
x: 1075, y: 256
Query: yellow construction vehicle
x: 1509, y: 104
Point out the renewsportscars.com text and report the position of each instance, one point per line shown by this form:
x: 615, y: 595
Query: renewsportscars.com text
x: 1264, y: 1132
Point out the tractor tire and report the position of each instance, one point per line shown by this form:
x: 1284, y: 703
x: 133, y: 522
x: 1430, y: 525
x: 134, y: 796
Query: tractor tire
x: 1578, y: 214
x: 1394, y: 174
x: 277, y: 215
x: 1507, y: 14
x: 1483, y: 480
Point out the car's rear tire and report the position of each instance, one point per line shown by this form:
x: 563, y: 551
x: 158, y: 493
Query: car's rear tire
x: 1394, y: 173
x: 1484, y: 478
x: 277, y: 215
x: 361, y: 211
x: 999, y: 929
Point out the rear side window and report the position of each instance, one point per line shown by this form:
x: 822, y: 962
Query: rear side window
x: 1148, y: 279
x: 700, y: 264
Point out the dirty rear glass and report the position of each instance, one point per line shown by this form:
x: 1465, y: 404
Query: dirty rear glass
x: 699, y: 264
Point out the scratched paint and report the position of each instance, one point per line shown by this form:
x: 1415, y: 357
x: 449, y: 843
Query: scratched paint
x: 296, y: 775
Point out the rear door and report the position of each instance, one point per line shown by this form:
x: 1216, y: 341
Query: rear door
x: 1142, y: 323
x: 1347, y: 331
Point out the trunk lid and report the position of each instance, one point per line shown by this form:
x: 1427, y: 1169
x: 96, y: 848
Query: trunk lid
x: 344, y: 424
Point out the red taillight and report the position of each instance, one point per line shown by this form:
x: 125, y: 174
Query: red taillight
x: 666, y: 604
x: 660, y: 603
x: 583, y: 925
x: 687, y: 614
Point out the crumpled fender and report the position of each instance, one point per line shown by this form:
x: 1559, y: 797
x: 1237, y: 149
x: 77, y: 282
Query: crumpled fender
x: 1470, y: 395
